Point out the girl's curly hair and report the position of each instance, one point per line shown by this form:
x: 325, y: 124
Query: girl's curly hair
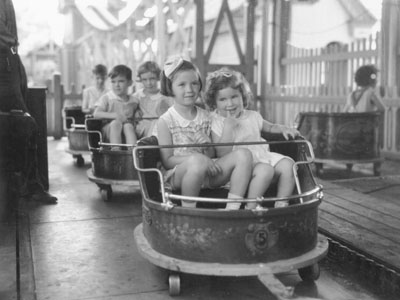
x: 223, y: 78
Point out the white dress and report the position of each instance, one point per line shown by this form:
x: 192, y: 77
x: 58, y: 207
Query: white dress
x: 183, y: 132
x: 248, y: 130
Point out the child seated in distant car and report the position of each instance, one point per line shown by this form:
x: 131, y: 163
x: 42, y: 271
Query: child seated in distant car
x: 152, y: 103
x: 119, y: 107
x: 365, y: 97
x: 92, y: 94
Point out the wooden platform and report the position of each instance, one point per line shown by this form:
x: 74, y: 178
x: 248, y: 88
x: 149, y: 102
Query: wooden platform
x: 361, y: 218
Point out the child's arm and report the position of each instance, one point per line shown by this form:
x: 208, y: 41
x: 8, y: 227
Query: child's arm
x: 202, y: 138
x: 99, y: 113
x: 286, y: 131
x: 227, y: 136
x: 85, y: 101
x: 168, y: 158
x: 377, y: 101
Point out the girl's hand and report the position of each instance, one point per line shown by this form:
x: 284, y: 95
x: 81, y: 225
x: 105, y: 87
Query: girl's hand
x: 289, y: 132
x: 122, y: 118
x: 230, y: 123
x: 201, y: 138
x: 213, y: 169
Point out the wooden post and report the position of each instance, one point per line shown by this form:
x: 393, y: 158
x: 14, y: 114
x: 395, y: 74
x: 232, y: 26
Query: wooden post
x: 199, y: 38
x: 57, y: 107
x: 281, y: 21
x: 264, y: 62
x: 249, y: 55
x: 390, y: 43
x: 160, y: 33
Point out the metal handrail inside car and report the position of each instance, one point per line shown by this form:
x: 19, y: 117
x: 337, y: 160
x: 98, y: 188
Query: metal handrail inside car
x: 166, y: 196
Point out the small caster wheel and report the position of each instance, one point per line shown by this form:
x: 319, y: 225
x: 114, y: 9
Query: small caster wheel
x: 174, y: 282
x: 80, y: 161
x: 106, y: 193
x: 309, y: 273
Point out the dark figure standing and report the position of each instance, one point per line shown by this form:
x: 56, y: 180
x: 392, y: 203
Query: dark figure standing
x: 13, y: 92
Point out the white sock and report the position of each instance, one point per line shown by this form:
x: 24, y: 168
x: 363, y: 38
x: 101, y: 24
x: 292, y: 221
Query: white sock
x: 233, y: 205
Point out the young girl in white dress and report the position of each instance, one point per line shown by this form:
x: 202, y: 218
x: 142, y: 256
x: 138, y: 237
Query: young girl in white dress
x: 228, y: 94
x: 192, y: 168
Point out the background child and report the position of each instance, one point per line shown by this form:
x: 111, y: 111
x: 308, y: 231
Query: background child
x: 152, y: 104
x: 93, y: 93
x: 228, y: 93
x: 119, y: 107
x: 364, y: 98
x: 191, y: 168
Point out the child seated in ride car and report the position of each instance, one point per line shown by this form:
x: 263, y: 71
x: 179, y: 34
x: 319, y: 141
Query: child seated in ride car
x: 119, y: 107
x: 365, y: 97
x: 191, y: 168
x: 92, y: 94
x: 152, y: 103
x: 228, y: 94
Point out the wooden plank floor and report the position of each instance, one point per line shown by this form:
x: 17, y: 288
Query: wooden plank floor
x: 365, y: 222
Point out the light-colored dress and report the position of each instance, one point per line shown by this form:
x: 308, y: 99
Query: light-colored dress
x: 183, y: 132
x: 90, y: 96
x: 110, y: 102
x: 248, y: 130
x: 362, y: 100
x: 152, y: 106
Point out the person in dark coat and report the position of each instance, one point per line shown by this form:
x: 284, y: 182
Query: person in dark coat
x: 13, y: 95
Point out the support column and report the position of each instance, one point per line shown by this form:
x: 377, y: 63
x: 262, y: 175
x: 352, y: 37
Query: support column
x: 199, y: 38
x: 390, y: 43
x: 160, y: 33
x: 264, y: 62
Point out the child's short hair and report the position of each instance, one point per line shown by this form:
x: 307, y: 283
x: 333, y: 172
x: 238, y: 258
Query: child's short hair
x: 366, y: 75
x: 100, y: 70
x: 171, y: 68
x: 149, y: 66
x: 223, y: 78
x: 121, y: 70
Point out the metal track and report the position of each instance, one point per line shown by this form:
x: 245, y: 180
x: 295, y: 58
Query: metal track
x: 376, y: 272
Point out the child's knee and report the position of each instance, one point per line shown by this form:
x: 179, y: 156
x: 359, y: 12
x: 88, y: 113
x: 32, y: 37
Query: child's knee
x: 285, y: 166
x: 243, y: 156
x: 197, y: 163
x: 264, y: 171
x: 115, y: 124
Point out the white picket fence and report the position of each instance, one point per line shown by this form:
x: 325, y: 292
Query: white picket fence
x: 319, y: 80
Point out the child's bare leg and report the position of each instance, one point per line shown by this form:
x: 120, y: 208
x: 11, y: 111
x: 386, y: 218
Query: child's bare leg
x: 237, y: 168
x: 115, y: 132
x: 286, y: 182
x: 189, y: 176
x: 129, y: 132
x: 259, y: 182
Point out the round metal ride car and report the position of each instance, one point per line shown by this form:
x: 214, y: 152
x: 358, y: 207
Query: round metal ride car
x: 346, y: 138
x: 74, y: 126
x: 211, y: 240
x: 109, y: 166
